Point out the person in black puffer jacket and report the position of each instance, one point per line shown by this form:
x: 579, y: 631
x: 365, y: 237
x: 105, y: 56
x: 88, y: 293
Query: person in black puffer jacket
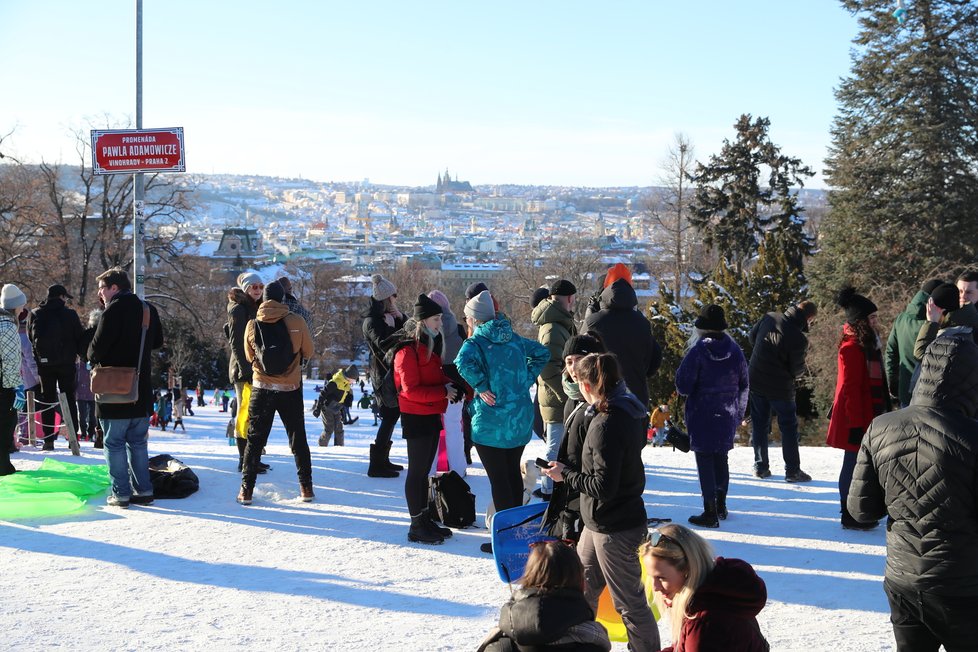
x: 919, y: 468
x: 611, y: 481
x: 627, y: 333
x: 549, y: 612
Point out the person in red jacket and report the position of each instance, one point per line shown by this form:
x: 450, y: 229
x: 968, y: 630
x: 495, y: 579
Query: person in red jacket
x: 712, y: 602
x: 423, y: 393
x: 860, y: 389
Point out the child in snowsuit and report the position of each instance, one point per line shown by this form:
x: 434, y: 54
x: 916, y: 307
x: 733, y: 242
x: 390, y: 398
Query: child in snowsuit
x: 329, y: 404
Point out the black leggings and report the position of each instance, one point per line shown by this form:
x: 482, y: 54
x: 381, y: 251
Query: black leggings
x: 388, y: 419
x: 421, y: 453
x: 502, y: 465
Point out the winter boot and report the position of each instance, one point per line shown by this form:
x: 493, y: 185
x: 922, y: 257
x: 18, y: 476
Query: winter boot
x: 709, y: 516
x: 324, y: 439
x: 421, y: 533
x: 721, y: 505
x: 377, y: 468
x: 244, y: 495
x: 443, y: 532
x: 305, y: 493
x: 241, y: 444
x: 387, y: 458
x: 849, y: 523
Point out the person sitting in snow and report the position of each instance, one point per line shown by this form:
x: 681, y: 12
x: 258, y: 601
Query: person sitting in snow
x: 329, y: 404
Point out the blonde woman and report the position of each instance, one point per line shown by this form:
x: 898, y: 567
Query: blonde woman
x: 712, y: 602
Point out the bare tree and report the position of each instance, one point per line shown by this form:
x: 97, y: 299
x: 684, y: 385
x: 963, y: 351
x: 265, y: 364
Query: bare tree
x: 669, y: 208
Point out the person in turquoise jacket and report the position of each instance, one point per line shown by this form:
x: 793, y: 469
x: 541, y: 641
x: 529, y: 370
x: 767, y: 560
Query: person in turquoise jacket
x: 500, y: 366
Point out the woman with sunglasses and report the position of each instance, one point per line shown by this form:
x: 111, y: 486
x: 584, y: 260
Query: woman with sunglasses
x: 243, y: 301
x: 712, y: 602
x: 548, y: 611
x: 611, y: 480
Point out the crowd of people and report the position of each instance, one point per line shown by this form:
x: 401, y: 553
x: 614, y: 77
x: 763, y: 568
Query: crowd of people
x: 902, y: 413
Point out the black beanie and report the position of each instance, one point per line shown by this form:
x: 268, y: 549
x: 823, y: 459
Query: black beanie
x: 426, y: 307
x: 274, y: 292
x: 475, y: 290
x: 563, y: 288
x: 946, y: 296
x: 856, y: 305
x: 931, y: 285
x: 538, y: 295
x: 583, y: 345
x: 711, y: 319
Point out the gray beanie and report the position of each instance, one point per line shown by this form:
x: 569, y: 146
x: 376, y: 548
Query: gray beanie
x: 480, y: 307
x: 247, y: 279
x: 11, y: 297
x: 383, y: 289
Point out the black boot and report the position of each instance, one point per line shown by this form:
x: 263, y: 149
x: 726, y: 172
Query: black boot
x: 377, y: 468
x: 387, y: 458
x: 721, y: 505
x: 849, y: 523
x: 420, y: 531
x: 709, y: 516
x: 241, y: 444
x: 443, y: 532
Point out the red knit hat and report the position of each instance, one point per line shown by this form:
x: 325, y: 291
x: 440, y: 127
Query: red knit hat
x: 618, y: 271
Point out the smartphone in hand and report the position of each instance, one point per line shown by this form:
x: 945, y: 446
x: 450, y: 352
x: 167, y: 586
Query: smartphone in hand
x: 542, y: 463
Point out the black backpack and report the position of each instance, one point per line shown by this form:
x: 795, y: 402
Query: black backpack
x: 453, y: 502
x: 273, y: 346
x: 171, y: 478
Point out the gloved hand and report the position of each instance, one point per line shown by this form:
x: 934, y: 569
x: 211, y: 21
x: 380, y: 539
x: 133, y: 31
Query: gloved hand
x: 20, y: 398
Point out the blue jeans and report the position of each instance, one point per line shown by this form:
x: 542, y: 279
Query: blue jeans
x: 760, y: 415
x: 555, y: 435
x: 127, y: 456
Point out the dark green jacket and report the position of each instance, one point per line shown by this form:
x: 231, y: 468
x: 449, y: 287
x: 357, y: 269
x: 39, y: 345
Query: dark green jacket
x: 556, y: 327
x: 900, y: 360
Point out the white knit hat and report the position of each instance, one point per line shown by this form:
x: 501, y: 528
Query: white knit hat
x: 11, y: 297
x: 480, y: 307
x: 246, y: 279
x: 383, y: 288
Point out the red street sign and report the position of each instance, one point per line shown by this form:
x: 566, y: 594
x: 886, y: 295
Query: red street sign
x: 126, y: 151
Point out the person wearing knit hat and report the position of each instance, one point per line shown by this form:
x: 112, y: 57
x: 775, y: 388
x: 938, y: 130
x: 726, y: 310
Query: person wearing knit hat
x: 711, y: 319
x: 380, y: 322
x: 861, y: 393
x: 424, y: 393
x: 713, y: 378
x: 554, y: 319
x: 11, y: 298
x: 945, y: 296
x: 249, y: 281
x: 618, y: 271
x: 475, y: 289
x: 500, y: 366
x: 426, y: 307
x: 480, y: 307
x: 457, y: 443
x: 274, y: 292
x: 382, y: 288
x: 539, y: 295
x: 899, y: 357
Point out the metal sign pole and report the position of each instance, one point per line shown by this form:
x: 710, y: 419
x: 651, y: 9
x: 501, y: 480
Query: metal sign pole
x: 138, y: 212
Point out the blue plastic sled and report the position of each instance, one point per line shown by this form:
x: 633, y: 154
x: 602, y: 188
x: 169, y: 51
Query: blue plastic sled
x: 513, y: 530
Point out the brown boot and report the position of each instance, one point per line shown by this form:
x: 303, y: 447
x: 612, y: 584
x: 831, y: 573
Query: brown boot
x: 305, y: 493
x: 244, y: 495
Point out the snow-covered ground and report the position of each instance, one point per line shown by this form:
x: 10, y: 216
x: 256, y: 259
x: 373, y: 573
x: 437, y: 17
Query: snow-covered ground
x: 205, y: 573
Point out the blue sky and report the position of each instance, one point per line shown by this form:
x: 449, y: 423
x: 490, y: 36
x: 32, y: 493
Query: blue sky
x: 533, y: 92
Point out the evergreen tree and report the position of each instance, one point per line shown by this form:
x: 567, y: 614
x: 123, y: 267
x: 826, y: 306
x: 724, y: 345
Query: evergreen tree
x: 903, y: 165
x: 731, y: 208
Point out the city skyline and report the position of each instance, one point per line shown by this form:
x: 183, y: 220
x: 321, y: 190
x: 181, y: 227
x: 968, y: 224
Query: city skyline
x: 546, y: 94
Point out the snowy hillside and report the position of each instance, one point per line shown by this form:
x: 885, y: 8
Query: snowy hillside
x: 204, y: 573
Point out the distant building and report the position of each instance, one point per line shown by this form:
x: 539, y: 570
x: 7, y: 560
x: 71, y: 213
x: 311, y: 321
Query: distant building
x: 472, y: 271
x: 241, y: 247
x: 445, y: 184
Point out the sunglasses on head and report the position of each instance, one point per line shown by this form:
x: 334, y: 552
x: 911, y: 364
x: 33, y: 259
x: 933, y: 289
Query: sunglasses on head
x: 656, y: 537
x: 540, y: 542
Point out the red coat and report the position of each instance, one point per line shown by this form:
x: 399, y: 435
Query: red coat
x: 852, y: 408
x: 420, y: 381
x: 724, y: 611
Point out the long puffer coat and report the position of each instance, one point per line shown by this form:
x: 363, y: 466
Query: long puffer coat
x: 919, y: 467
x: 713, y: 378
x: 498, y: 360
